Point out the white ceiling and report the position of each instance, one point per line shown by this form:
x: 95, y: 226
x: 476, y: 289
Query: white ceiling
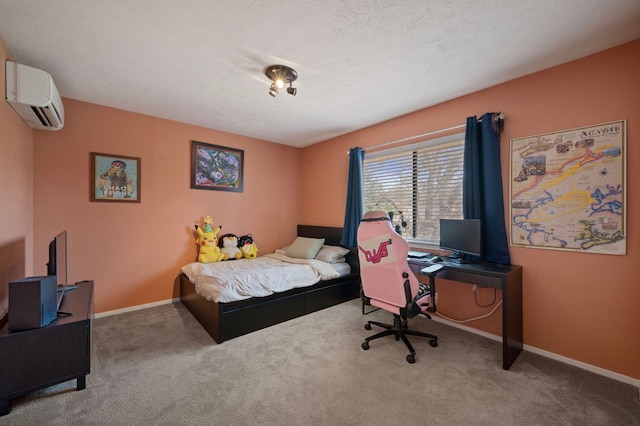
x: 359, y: 62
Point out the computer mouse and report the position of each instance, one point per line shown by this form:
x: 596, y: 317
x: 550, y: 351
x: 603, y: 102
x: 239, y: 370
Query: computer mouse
x: 435, y: 259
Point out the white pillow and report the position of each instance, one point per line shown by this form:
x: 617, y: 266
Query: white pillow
x: 332, y: 254
x: 305, y: 248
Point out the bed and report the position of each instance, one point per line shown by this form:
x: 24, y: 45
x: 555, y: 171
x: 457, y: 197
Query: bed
x: 226, y: 320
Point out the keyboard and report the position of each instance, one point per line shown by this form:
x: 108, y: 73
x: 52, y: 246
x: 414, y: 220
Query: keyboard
x: 418, y: 254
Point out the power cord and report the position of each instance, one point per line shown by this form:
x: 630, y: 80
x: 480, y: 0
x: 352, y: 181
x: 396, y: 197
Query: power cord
x: 470, y: 319
x: 475, y: 296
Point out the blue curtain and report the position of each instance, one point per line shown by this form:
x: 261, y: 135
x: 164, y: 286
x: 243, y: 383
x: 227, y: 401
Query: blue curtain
x: 355, y: 198
x: 482, y: 185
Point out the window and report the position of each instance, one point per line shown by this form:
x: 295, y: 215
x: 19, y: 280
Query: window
x: 418, y: 183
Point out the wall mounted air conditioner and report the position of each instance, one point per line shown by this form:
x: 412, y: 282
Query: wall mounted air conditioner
x: 33, y: 95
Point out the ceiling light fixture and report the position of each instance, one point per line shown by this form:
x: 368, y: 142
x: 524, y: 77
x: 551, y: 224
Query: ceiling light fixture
x: 281, y: 75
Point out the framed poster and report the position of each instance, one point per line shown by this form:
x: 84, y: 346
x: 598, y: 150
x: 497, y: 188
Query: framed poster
x: 568, y: 190
x: 115, y: 178
x: 216, y: 167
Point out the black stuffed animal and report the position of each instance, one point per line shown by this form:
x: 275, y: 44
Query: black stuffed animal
x: 248, y: 247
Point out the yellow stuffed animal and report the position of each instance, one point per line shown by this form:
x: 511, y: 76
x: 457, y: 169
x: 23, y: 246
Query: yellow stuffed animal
x: 248, y: 247
x: 208, y: 250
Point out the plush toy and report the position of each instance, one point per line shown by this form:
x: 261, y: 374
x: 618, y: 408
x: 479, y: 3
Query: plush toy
x: 229, y: 247
x: 207, y: 240
x: 248, y: 247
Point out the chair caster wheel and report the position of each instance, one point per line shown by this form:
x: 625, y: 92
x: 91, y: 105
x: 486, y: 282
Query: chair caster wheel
x: 365, y: 345
x: 433, y: 343
x: 367, y: 326
x: 411, y: 359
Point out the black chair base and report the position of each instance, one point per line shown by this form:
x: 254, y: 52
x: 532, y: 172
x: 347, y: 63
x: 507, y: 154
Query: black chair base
x: 400, y: 331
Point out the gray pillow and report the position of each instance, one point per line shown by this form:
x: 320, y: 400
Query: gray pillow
x: 305, y: 248
x: 332, y: 254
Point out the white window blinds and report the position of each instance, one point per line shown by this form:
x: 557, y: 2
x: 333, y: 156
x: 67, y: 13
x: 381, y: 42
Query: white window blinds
x: 420, y: 182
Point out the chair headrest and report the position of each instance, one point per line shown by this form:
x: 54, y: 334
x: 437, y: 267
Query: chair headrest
x: 375, y: 216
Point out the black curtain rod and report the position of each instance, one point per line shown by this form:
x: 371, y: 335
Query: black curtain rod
x: 435, y: 132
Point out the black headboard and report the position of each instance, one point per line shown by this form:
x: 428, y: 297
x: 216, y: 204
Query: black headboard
x: 332, y: 236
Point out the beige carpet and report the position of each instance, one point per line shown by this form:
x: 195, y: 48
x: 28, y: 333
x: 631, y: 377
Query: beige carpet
x: 158, y: 366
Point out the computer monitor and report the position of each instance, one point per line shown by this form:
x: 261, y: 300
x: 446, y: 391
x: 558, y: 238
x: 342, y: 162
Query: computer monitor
x: 462, y: 236
x: 57, y: 264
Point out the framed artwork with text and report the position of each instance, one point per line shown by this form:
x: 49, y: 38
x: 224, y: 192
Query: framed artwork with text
x: 115, y: 178
x: 568, y: 189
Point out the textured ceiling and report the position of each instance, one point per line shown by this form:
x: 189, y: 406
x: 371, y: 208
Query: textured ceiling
x: 359, y: 62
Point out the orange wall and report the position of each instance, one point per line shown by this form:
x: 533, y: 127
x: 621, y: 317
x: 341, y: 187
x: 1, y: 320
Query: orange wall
x: 16, y: 192
x: 578, y: 305
x: 134, y: 252
x: 581, y: 306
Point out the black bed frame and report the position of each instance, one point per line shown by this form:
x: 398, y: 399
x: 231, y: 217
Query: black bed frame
x: 224, y: 321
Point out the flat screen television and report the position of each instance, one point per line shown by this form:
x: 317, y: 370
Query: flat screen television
x: 463, y: 237
x: 57, y: 264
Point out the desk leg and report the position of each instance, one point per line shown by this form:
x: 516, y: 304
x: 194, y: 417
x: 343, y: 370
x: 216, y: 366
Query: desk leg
x: 81, y: 383
x: 511, y: 318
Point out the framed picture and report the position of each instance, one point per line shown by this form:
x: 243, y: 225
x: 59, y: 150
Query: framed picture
x: 115, y: 178
x: 568, y: 190
x: 216, y: 167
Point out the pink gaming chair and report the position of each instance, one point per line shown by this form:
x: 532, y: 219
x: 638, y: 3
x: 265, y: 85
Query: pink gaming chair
x: 388, y: 283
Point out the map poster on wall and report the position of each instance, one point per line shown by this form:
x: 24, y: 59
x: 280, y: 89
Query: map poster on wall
x: 568, y: 190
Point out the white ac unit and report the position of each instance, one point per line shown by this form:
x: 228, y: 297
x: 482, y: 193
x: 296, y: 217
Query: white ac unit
x: 33, y: 95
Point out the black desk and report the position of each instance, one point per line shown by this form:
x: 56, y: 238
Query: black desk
x: 505, y: 278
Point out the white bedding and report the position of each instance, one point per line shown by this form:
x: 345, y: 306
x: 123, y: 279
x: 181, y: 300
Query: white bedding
x: 232, y: 280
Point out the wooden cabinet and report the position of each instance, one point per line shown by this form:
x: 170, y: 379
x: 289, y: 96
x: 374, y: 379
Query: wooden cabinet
x: 42, y: 357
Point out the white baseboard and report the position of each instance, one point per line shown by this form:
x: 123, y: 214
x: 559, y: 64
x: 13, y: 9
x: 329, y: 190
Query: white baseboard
x: 592, y: 368
x: 137, y: 308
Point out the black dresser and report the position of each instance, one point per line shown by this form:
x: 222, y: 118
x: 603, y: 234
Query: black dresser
x: 42, y: 357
